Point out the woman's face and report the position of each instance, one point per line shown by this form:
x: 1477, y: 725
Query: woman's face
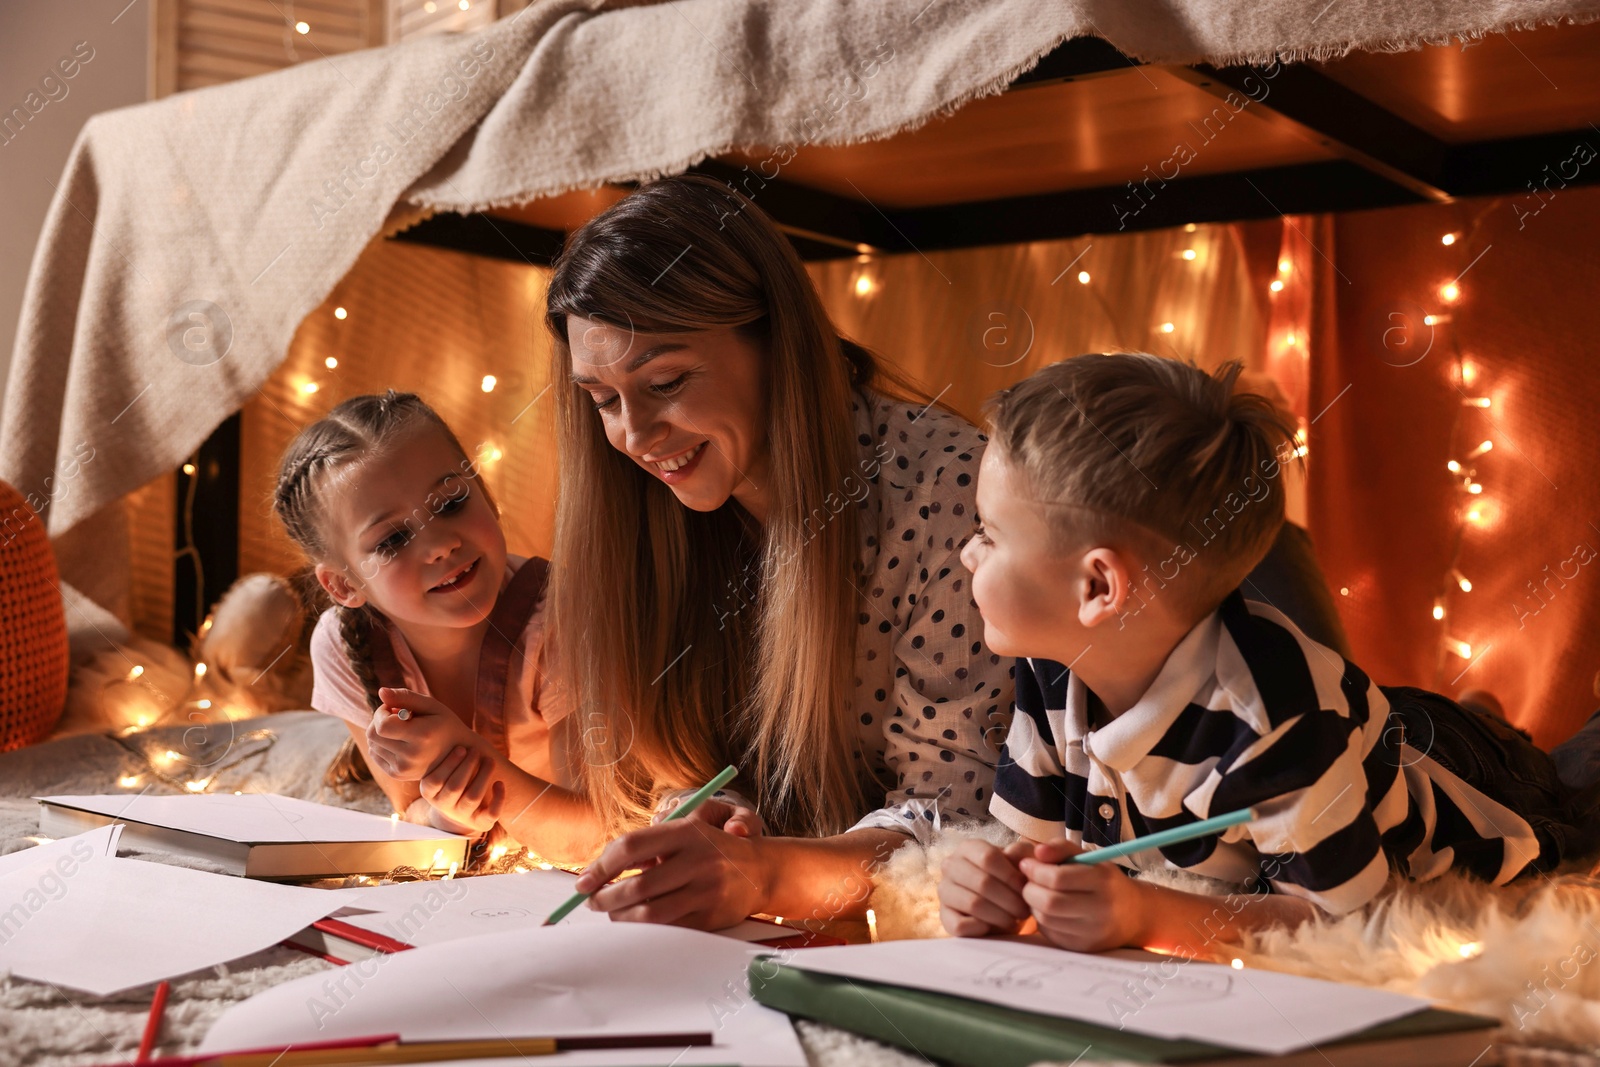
x: 689, y: 408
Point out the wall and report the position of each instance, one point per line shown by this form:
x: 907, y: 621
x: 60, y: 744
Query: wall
x: 111, y: 42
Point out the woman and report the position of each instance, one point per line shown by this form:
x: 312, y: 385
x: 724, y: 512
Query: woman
x: 756, y: 562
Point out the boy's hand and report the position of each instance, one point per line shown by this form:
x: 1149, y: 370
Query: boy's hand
x: 1082, y: 907
x: 465, y: 788
x: 406, y: 749
x: 981, y: 890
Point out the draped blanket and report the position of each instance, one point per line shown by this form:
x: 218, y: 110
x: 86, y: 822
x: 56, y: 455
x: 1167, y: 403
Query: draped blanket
x: 190, y: 236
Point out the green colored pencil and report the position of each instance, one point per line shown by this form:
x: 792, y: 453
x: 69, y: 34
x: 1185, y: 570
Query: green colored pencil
x: 1166, y: 837
x: 726, y: 775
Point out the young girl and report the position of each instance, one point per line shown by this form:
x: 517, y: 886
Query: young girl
x: 432, y: 650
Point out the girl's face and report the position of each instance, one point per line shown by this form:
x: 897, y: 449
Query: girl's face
x: 416, y: 534
x: 689, y: 408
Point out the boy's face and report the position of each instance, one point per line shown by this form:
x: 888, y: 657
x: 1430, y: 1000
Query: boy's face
x: 1024, y: 589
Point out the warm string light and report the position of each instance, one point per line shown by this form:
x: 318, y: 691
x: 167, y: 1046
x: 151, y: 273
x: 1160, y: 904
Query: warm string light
x: 1471, y: 512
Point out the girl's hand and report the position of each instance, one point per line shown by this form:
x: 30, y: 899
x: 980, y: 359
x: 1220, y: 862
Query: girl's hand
x: 980, y: 892
x: 465, y: 787
x: 1083, y: 907
x: 405, y: 749
x: 733, y: 818
x: 692, y: 875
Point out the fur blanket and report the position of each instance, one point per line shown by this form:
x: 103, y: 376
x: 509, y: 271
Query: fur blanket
x: 1529, y: 948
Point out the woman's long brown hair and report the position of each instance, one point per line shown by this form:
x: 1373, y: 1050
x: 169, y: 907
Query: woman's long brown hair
x: 692, y: 640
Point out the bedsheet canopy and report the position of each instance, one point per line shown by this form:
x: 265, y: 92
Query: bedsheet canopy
x: 190, y: 236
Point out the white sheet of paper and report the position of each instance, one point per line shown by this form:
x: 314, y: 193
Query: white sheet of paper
x: 113, y: 924
x: 552, y: 981
x: 1251, y: 1010
x: 427, y: 913
x: 99, y: 842
x: 252, y: 818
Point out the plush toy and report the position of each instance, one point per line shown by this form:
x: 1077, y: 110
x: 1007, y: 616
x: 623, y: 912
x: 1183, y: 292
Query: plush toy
x: 247, y: 660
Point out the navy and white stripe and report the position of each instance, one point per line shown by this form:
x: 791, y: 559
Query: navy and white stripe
x: 1248, y: 711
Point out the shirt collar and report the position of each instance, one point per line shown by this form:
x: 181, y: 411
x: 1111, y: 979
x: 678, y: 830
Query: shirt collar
x: 1129, y: 737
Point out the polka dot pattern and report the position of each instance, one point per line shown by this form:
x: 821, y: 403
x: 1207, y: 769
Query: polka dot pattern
x: 932, y: 703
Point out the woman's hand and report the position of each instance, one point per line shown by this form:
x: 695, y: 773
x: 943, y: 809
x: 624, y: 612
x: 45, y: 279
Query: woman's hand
x: 406, y: 749
x: 691, y: 874
x: 465, y: 788
x: 732, y: 818
x: 1085, y: 907
x: 980, y: 892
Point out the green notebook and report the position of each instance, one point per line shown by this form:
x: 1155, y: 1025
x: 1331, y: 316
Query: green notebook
x: 977, y: 1034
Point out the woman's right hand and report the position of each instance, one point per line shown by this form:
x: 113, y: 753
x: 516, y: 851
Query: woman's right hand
x: 406, y: 749
x: 736, y: 819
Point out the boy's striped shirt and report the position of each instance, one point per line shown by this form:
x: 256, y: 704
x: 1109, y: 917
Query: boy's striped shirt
x: 1248, y: 711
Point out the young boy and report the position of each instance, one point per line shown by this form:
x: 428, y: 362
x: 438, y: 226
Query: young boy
x: 1123, y: 499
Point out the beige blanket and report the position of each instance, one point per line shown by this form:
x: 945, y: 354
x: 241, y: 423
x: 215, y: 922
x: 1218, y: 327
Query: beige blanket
x: 190, y: 236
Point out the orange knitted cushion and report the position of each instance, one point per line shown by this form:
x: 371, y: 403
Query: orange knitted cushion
x: 33, y: 627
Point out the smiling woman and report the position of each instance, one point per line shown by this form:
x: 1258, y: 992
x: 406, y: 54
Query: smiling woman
x: 756, y: 562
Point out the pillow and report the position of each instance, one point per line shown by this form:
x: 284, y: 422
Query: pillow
x: 34, y: 659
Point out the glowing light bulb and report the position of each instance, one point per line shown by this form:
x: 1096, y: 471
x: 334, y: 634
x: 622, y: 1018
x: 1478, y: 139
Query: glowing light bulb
x: 331, y: 362
x: 169, y: 756
x: 1487, y: 446
x: 1450, y: 292
x: 1189, y: 227
x: 1477, y: 401
x: 489, y: 382
x: 340, y: 313
x: 1438, y: 609
x: 1461, y: 580
x: 138, y: 669
x: 1448, y: 239
x: 1471, y: 950
x: 309, y: 388
x: 302, y: 28
x: 394, y: 817
x: 1469, y: 372
x: 188, y: 468
x: 205, y: 705
x: 195, y: 787
x: 430, y: 7
x: 1460, y: 648
x: 864, y: 285
x: 872, y: 924
x: 1289, y: 340
x: 1083, y: 277
x: 200, y: 670
x: 451, y: 873
x: 464, y: 4
x: 1189, y: 254
x: 1475, y: 516
x: 547, y: 866
x: 1167, y: 327
x: 1283, y: 266
x: 497, y: 853
x: 1237, y: 964
x: 1453, y: 467
x: 1277, y: 285
x: 1344, y: 590
x: 128, y: 781
x: 1474, y: 488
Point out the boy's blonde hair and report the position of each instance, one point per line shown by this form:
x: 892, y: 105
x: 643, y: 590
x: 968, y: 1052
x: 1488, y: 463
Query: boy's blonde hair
x: 1154, y: 455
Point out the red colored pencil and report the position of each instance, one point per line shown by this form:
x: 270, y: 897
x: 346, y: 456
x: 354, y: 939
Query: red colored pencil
x: 152, y: 1025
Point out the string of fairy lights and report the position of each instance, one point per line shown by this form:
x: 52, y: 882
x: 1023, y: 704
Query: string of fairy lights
x: 1469, y: 443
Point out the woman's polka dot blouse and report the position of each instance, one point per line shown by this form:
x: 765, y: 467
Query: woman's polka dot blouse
x: 931, y: 701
